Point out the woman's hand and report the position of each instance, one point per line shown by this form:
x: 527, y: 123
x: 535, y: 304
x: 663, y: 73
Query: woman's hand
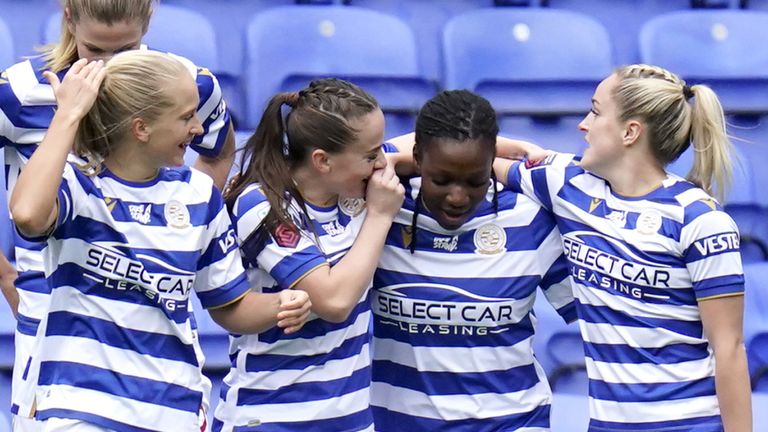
x: 384, y: 195
x: 76, y: 94
x: 295, y: 308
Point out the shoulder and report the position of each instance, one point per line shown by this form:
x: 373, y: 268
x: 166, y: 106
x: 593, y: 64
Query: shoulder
x: 251, y: 199
x: 24, y: 84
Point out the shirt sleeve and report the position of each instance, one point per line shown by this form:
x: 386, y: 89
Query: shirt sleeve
x: 540, y: 180
x: 220, y: 278
x: 555, y: 282
x: 213, y: 113
x: 711, y: 253
x: 286, y: 254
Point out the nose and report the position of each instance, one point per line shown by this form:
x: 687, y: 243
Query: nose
x: 457, y: 197
x: 583, y: 124
x: 380, y: 161
x: 197, y: 126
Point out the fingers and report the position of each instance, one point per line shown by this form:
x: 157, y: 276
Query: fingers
x: 53, y: 79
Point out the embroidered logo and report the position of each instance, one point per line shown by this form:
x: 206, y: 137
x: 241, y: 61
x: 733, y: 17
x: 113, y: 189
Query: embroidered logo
x: 352, y: 206
x: 618, y: 217
x: 176, y: 214
x: 449, y: 244
x: 110, y: 202
x: 333, y: 228
x: 648, y: 222
x: 141, y: 212
x: 286, y: 236
x: 594, y: 203
x: 490, y: 239
x: 407, y: 234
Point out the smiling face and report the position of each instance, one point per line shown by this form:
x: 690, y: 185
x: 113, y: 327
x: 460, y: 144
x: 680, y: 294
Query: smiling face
x: 352, y: 168
x: 96, y: 40
x: 172, y: 131
x: 454, y: 178
x: 603, y: 129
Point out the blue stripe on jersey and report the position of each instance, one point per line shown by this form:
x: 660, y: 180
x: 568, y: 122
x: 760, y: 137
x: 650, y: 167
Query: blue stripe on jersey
x: 316, y: 327
x: 296, y: 265
x: 352, y: 422
x: 275, y: 362
x: 497, y: 287
x: 307, y: 391
x: 107, y: 422
x: 722, y: 285
x: 451, y: 335
x: 651, y: 392
x: 33, y: 281
x: 669, y: 354
x: 107, y: 332
x: 605, y: 314
x: 224, y: 294
x: 393, y: 421
x: 70, y: 274
x: 218, y: 249
x: 449, y: 383
x: 112, y: 383
x: 696, y: 424
x: 27, y: 325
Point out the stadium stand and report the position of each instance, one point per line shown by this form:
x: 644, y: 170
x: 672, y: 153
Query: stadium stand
x: 6, y: 46
x: 330, y: 41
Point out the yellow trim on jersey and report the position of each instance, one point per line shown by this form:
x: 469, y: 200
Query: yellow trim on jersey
x: 231, y: 302
x: 721, y: 296
x: 307, y: 274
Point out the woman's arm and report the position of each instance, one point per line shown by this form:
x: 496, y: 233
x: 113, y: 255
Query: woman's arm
x: 257, y: 312
x: 335, y: 290
x: 722, y: 319
x: 8, y: 276
x: 33, y: 203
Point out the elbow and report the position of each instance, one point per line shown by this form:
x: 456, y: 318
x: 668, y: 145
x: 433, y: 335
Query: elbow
x: 335, y: 313
x: 27, y: 220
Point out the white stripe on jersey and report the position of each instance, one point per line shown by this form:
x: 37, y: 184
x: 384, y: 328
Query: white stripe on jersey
x: 658, y: 255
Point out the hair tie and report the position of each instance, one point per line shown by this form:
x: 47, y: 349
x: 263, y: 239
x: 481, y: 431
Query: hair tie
x: 687, y: 91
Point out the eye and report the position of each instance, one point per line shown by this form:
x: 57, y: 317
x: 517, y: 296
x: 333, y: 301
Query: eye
x: 440, y: 182
x: 593, y: 111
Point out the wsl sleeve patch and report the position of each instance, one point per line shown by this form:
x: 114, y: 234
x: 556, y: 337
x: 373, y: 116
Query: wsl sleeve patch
x: 285, y: 236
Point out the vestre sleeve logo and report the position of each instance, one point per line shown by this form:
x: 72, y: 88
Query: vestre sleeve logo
x: 286, y: 236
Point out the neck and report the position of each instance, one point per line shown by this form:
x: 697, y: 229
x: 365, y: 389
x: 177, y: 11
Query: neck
x: 634, y: 175
x: 313, y: 189
x: 128, y: 163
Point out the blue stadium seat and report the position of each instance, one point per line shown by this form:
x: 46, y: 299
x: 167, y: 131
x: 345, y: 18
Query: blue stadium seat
x: 715, y: 47
x: 759, y: 413
x: 5, y: 399
x: 426, y: 18
x: 515, y: 58
x: 23, y: 18
x: 558, y: 348
x: 570, y: 412
x: 6, y: 46
x: 756, y: 322
x: 289, y: 46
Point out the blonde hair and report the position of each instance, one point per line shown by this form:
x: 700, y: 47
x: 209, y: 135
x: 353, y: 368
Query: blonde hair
x: 661, y: 100
x: 63, y: 53
x: 134, y: 86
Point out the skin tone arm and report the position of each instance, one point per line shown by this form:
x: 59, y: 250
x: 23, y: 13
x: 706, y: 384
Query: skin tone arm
x: 255, y: 313
x: 218, y: 167
x: 34, y: 203
x: 722, y: 319
x: 336, y: 290
x: 8, y: 276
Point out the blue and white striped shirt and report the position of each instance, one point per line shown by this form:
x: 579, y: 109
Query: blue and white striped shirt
x: 317, y: 379
x: 453, y: 322
x: 639, y: 266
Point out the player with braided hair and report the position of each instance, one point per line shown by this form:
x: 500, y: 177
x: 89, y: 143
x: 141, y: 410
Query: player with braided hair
x: 311, y: 212
x: 653, y: 257
x: 455, y: 286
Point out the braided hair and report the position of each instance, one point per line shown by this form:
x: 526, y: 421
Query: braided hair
x: 319, y: 118
x: 460, y: 116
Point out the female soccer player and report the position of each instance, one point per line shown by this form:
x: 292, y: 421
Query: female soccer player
x: 455, y: 286
x: 653, y: 257
x: 129, y: 236
x: 93, y: 30
x: 302, y: 223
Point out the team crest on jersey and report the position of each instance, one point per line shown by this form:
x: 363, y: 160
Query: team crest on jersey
x: 618, y: 217
x: 141, y: 212
x: 648, y: 222
x: 285, y: 236
x: 490, y: 239
x: 352, y: 206
x: 176, y: 214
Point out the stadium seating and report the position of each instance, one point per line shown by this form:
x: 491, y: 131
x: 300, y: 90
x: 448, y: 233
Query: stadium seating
x: 6, y: 46
x: 512, y: 57
x: 570, y: 412
x: 286, y: 47
x: 756, y: 322
x: 23, y: 18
